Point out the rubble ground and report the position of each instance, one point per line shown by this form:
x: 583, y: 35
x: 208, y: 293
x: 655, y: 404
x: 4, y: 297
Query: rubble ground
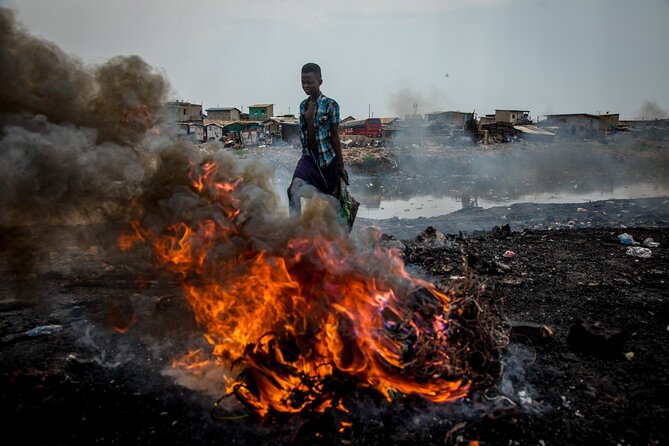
x: 601, y: 368
x: 587, y: 361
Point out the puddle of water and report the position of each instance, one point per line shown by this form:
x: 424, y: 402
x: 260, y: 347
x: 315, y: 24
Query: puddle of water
x: 433, y: 206
x: 428, y: 185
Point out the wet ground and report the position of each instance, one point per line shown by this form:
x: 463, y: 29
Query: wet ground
x: 433, y: 181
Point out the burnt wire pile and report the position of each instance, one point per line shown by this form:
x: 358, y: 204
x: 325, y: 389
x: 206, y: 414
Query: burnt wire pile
x: 303, y: 317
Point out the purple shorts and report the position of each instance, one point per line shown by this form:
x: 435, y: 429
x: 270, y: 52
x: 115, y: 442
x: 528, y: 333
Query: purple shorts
x: 324, y: 180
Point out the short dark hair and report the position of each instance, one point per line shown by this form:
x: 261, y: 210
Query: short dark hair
x: 312, y: 68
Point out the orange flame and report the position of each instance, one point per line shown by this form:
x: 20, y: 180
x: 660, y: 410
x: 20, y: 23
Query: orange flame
x: 293, y: 320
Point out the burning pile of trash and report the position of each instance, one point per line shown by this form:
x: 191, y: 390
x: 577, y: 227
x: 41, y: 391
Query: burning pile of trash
x: 304, y: 316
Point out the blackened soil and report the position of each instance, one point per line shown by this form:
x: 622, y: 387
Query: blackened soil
x: 87, y: 383
x: 607, y: 381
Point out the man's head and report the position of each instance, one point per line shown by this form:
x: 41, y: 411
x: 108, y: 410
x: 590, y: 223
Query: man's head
x: 311, y: 79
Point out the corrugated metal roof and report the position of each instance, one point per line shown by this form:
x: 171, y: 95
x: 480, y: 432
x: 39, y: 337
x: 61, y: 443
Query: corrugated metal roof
x: 244, y: 123
x: 448, y: 111
x: 564, y: 115
x: 260, y: 105
x: 285, y: 120
x: 221, y: 122
x: 222, y: 109
x: 533, y: 130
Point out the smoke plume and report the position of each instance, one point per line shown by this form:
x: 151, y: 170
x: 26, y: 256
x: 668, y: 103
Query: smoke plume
x: 68, y: 132
x: 403, y: 101
x: 651, y: 110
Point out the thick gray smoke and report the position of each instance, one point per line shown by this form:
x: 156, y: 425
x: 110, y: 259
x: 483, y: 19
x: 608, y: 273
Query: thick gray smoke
x: 403, y: 101
x: 68, y: 132
x: 118, y: 99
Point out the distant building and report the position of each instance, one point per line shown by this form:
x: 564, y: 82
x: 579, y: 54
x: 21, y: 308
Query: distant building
x: 224, y: 113
x: 513, y: 116
x: 646, y: 122
x: 289, y: 127
x: 261, y: 112
x: 389, y: 121
x: 456, y: 118
x: 179, y: 111
x: 389, y: 126
x: 347, y: 119
x: 195, y: 131
x: 578, y: 125
x: 240, y: 126
x: 609, y: 122
x: 214, y: 131
x: 271, y: 125
x: 654, y: 129
x: 487, y: 119
x: 413, y: 118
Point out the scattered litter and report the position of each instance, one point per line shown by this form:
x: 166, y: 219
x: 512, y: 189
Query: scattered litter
x: 649, y: 242
x: 629, y: 356
x: 530, y: 332
x: 514, y: 281
x: 638, y: 251
x: 44, y: 330
x: 525, y: 398
x: 581, y: 210
x: 626, y: 239
x: 509, y: 254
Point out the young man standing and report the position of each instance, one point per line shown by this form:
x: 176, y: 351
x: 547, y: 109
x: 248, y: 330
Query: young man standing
x: 321, y: 164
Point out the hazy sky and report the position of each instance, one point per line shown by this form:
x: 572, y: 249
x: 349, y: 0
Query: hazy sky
x: 544, y: 56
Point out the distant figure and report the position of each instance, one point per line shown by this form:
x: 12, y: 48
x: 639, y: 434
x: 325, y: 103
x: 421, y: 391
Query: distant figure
x: 321, y: 164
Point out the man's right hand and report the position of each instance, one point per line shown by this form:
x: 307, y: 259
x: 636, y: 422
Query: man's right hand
x: 343, y: 174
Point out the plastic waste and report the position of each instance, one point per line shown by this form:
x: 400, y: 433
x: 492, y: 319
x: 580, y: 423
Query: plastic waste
x: 44, y: 330
x: 649, y: 242
x: 638, y: 251
x: 509, y: 254
x: 626, y: 239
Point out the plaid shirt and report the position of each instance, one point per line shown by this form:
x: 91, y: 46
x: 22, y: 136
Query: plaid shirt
x: 326, y: 113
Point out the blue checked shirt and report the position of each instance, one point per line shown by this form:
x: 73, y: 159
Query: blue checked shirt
x: 326, y: 113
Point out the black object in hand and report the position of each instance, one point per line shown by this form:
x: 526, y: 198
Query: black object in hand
x: 344, y: 176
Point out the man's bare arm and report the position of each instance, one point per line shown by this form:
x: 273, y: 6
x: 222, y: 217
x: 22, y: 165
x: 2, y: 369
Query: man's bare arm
x: 336, y: 144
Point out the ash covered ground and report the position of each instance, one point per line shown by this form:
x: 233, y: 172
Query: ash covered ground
x: 591, y: 370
